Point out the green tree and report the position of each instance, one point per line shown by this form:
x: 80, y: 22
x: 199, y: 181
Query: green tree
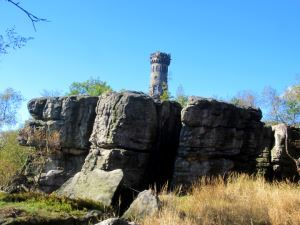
x: 10, y: 102
x: 166, y: 95
x: 92, y: 87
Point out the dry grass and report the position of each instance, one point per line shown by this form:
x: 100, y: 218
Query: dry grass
x: 241, y: 200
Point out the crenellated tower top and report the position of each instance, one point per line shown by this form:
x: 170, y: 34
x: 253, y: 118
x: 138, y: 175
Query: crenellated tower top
x: 161, y: 58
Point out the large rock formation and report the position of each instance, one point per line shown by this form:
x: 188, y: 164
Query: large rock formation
x: 60, y: 132
x: 150, y: 141
x: 134, y: 133
x: 217, y: 138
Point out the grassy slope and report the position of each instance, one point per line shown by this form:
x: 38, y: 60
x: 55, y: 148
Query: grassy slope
x: 242, y: 200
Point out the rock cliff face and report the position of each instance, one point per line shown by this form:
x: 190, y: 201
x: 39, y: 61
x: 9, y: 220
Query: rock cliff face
x: 134, y: 133
x: 150, y: 142
x: 62, y: 126
x: 216, y: 138
x: 71, y: 117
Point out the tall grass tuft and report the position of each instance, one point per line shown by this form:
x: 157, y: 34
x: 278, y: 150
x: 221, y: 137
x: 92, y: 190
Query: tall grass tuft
x: 239, y: 200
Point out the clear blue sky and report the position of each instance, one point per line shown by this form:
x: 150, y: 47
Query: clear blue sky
x: 218, y: 47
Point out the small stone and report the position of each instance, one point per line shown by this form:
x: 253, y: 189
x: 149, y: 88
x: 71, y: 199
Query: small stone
x: 146, y: 204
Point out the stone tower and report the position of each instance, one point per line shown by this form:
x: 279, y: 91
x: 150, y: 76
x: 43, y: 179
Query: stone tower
x: 159, y: 73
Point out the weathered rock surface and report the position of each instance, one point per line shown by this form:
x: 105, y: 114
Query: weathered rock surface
x: 125, y: 120
x: 72, y: 117
x: 45, y: 173
x: 284, y: 161
x: 97, y: 185
x: 61, y: 127
x: 133, y: 164
x: 57, y: 168
x: 134, y: 133
x: 216, y: 138
x: 146, y: 204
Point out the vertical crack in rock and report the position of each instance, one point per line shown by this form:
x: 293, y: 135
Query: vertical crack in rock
x: 142, y: 141
x: 137, y: 135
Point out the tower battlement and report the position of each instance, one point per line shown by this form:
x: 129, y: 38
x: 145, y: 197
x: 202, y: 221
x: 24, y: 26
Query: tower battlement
x: 160, y: 57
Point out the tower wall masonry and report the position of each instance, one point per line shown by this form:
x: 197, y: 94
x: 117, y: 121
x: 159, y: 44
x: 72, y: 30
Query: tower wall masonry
x: 159, y: 74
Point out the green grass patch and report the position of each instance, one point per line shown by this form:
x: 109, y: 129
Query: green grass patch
x: 29, y: 205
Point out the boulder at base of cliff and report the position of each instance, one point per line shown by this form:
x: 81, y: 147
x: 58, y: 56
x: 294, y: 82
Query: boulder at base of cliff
x: 97, y: 185
x: 146, y: 204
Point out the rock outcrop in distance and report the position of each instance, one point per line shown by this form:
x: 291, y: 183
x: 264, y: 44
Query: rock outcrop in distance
x: 150, y: 143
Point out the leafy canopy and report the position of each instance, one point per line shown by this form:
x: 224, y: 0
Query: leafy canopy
x: 92, y: 87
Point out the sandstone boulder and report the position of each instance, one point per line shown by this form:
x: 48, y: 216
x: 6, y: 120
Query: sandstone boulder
x: 146, y: 204
x: 126, y: 120
x: 97, y: 185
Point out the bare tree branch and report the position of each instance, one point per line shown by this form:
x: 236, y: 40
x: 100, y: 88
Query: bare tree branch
x: 34, y: 19
x: 10, y: 101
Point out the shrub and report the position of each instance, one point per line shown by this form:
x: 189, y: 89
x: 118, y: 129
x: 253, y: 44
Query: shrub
x: 12, y: 156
